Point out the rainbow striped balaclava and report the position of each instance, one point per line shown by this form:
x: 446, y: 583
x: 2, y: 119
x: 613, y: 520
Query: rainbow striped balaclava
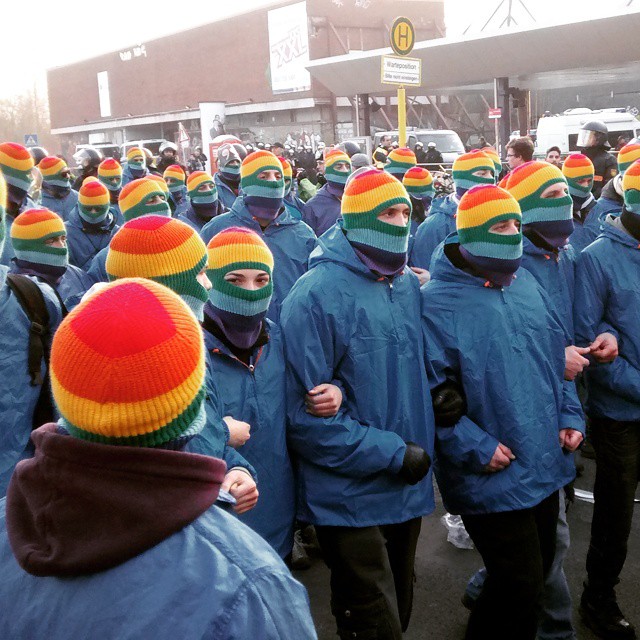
x: 577, y: 168
x: 237, y: 311
x: 16, y: 164
x: 547, y: 222
x: 262, y: 197
x: 495, y: 256
x: 465, y: 168
x: 136, y: 196
x: 93, y: 201
x: 130, y: 331
x: 30, y: 232
x: 399, y: 161
x: 162, y: 249
x: 381, y: 246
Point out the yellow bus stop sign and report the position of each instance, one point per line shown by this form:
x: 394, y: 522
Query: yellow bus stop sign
x: 403, y: 36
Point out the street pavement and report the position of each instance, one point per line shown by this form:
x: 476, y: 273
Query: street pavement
x: 442, y: 572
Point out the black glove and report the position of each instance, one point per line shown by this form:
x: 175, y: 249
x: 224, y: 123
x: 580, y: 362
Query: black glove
x: 449, y: 403
x: 415, y: 464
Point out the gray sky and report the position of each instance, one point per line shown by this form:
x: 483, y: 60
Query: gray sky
x: 43, y: 34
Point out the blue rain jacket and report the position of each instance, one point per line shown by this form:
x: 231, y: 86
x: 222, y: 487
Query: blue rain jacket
x: 290, y: 240
x: 249, y: 591
x: 608, y: 291
x: 189, y: 216
x: 322, y: 211
x: 586, y: 232
x: 341, y: 323
x: 7, y: 253
x: 258, y: 397
x: 18, y: 398
x: 178, y: 208
x: 84, y: 243
x: 98, y: 266
x: 294, y: 205
x: 117, y: 214
x: 225, y: 192
x: 61, y: 206
x: 506, y: 347
x: 438, y: 225
x: 556, y: 276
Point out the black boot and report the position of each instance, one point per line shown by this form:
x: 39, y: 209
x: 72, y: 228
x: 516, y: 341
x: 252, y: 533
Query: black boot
x: 601, y: 613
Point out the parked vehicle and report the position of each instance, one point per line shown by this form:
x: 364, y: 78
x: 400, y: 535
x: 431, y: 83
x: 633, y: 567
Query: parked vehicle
x: 447, y: 142
x: 107, y: 149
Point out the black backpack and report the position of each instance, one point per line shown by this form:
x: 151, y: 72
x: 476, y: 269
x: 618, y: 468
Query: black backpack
x: 32, y: 301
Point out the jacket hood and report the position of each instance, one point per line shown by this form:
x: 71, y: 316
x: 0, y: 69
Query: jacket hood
x: 239, y: 209
x: 609, y: 190
x: 531, y: 249
x: 333, y: 246
x: 611, y: 229
x: 78, y: 507
x: 324, y: 193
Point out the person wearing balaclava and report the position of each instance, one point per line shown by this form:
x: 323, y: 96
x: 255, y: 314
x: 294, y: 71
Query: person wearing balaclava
x: 608, y: 292
x: 612, y: 195
x: 110, y: 174
x: 39, y: 240
x: 138, y: 198
x: 260, y: 207
x: 469, y: 170
x: 399, y: 161
x: 418, y: 182
x: 91, y: 224
x: 136, y: 166
x: 578, y: 171
x: 175, y: 178
x: 293, y: 204
x: 16, y: 164
x: 497, y: 163
x: 245, y: 361
x: 355, y: 316
x: 502, y: 464
x: 227, y: 178
x: 322, y: 211
x: 56, y: 192
x: 204, y: 204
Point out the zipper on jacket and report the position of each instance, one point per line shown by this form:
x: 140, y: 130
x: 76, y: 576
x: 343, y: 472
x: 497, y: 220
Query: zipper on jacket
x: 251, y: 366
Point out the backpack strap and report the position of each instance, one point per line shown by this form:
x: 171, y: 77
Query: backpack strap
x: 32, y: 301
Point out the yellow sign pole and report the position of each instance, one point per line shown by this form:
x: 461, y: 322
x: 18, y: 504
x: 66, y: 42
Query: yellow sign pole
x: 402, y: 117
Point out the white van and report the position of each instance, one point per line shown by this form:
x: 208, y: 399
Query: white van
x: 562, y: 130
x: 447, y: 142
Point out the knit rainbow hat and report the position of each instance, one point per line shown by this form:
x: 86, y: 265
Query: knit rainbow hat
x: 631, y: 187
x: 162, y: 249
x: 134, y: 196
x: 232, y: 249
x: 16, y: 164
x: 195, y: 181
x: 93, y: 201
x: 175, y: 177
x: 495, y: 158
x: 627, y: 156
x: 130, y: 332
x: 527, y: 183
x: 467, y: 164
x: 51, y: 169
x: 367, y: 194
x: 287, y: 174
x: 29, y: 233
x: 3, y: 208
x: 578, y: 167
x: 479, y: 209
x: 110, y: 174
x: 257, y: 191
x: 418, y: 182
x: 331, y: 158
x: 136, y: 158
x: 399, y: 161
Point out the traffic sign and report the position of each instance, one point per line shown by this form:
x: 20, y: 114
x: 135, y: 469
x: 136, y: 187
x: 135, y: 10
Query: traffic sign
x: 403, y: 36
x: 395, y: 70
x: 495, y: 113
x: 183, y: 136
x: 30, y: 139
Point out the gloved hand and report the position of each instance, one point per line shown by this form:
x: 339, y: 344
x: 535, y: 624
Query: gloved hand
x: 449, y: 403
x: 415, y: 464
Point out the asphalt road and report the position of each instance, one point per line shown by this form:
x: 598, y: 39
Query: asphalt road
x: 443, y: 570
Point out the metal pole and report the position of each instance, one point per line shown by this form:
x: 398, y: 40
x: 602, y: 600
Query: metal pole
x: 357, y: 115
x: 402, y: 118
x: 495, y: 121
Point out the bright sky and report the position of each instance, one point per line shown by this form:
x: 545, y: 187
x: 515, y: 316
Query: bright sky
x: 43, y: 34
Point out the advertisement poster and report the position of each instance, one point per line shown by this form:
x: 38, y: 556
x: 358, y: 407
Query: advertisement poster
x: 212, y: 119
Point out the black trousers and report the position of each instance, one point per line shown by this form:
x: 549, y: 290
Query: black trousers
x: 518, y: 548
x: 372, y: 574
x: 617, y: 447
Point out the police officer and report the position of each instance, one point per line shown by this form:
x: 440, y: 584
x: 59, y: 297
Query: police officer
x: 592, y: 141
x: 87, y: 160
